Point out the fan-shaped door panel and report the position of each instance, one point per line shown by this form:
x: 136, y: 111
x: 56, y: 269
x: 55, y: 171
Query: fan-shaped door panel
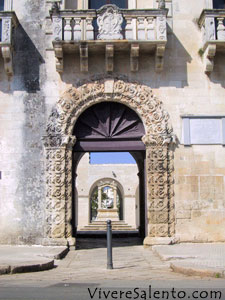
x: 109, y: 122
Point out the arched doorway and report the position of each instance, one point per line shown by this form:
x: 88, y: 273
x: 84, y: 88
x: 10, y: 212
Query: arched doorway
x: 158, y: 167
x: 109, y: 126
x: 105, y: 194
x: 112, y: 126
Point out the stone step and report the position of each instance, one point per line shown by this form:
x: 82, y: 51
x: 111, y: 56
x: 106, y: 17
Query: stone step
x: 104, y: 223
x: 104, y: 229
x: 101, y: 226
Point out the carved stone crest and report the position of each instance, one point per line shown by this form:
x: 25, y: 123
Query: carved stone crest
x: 109, y: 23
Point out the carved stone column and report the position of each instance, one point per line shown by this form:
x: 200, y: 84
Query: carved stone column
x: 158, y: 173
x: 58, y: 227
x: 99, y: 198
x: 114, y: 197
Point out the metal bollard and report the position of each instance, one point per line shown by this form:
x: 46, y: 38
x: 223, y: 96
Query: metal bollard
x: 109, y: 245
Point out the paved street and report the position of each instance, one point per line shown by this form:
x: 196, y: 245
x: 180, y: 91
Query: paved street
x: 134, y: 267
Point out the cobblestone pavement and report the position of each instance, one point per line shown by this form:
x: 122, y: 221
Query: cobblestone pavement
x: 88, y: 264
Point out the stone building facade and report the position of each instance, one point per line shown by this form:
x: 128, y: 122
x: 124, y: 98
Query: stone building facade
x: 159, y: 66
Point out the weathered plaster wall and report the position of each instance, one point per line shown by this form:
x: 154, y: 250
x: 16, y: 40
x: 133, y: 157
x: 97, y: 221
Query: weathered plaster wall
x: 22, y: 113
x: 27, y: 99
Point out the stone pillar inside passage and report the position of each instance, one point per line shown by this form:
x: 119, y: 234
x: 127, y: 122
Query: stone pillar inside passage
x: 99, y: 198
x: 114, y: 198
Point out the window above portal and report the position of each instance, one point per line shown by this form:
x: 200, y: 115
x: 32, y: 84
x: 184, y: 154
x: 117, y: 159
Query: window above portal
x: 1, y: 5
x: 219, y: 4
x: 71, y: 4
x: 96, y: 4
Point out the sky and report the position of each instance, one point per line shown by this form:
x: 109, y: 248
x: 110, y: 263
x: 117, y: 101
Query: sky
x: 111, y: 158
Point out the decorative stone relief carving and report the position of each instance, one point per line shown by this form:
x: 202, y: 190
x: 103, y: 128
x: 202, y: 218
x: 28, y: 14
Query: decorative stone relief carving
x: 59, y: 183
x: 210, y: 29
x: 109, y: 23
x: 159, y: 154
x: 6, y: 49
x: 57, y: 28
x: 161, y: 28
x: 160, y: 48
x: 6, y: 30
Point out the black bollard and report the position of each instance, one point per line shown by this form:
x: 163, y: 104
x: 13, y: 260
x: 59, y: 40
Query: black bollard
x: 109, y: 245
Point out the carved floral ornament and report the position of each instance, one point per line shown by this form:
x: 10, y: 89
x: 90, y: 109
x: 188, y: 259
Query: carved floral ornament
x: 140, y: 98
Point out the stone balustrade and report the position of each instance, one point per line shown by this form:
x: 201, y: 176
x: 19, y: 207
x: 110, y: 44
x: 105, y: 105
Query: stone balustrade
x: 212, y: 26
x: 8, y: 21
x: 141, y: 26
x: 113, y: 28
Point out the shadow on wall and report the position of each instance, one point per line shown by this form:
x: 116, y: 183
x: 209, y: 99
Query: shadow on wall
x: 27, y: 61
x: 218, y: 74
x: 174, y: 73
x: 175, y: 64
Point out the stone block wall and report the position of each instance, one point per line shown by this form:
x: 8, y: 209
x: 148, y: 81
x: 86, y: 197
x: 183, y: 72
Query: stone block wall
x: 199, y: 194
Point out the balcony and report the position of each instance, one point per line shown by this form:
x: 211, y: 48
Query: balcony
x: 109, y: 30
x: 211, y: 23
x: 8, y: 21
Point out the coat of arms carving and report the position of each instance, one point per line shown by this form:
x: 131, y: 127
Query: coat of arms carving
x: 109, y: 23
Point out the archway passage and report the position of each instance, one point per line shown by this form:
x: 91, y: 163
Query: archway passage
x: 59, y: 144
x: 107, y: 199
x: 110, y: 126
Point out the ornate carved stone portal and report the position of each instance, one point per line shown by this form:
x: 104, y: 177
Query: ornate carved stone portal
x: 158, y: 140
